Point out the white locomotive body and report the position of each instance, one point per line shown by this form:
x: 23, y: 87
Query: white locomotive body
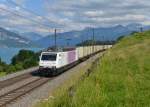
x: 56, y: 60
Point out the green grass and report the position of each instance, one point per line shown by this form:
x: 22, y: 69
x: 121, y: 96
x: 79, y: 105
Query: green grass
x: 122, y: 78
x: 2, y: 74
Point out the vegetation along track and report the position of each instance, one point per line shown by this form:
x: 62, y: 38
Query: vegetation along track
x: 16, y: 93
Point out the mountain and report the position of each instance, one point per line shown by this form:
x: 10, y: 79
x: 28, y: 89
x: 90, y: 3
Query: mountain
x: 31, y: 39
x: 11, y: 39
x: 75, y: 37
x: 146, y: 28
x: 134, y: 26
x: 32, y: 36
x: 72, y: 37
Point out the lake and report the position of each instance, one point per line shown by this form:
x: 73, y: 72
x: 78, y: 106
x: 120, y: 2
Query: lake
x: 6, y: 54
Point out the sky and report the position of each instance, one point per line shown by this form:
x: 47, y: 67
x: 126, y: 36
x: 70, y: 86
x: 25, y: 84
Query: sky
x: 43, y: 16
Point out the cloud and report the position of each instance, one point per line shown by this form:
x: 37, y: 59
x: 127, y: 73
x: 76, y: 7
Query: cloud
x: 100, y: 12
x: 76, y: 15
x: 20, y: 1
x: 94, y: 13
x: 15, y: 18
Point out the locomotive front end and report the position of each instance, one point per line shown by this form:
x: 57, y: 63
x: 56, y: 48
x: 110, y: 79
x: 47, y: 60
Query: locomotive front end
x: 48, y: 60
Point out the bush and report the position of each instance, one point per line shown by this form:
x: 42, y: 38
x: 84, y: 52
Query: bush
x: 2, y: 66
x: 19, y: 66
x: 29, y: 63
x: 11, y: 69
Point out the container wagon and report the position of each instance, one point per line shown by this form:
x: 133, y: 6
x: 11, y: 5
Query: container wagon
x: 54, y: 61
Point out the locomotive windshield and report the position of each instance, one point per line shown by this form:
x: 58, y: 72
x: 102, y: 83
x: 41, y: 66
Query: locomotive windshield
x: 49, y: 57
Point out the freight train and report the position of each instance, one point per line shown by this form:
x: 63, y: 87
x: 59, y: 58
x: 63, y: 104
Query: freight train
x: 57, y: 61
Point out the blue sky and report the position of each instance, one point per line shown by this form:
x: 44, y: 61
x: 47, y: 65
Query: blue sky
x: 69, y: 15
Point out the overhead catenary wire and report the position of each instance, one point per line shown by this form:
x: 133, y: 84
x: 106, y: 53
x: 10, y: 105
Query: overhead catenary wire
x: 30, y: 11
x: 29, y: 19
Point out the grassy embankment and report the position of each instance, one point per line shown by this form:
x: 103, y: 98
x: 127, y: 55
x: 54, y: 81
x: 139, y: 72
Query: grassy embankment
x: 122, y: 78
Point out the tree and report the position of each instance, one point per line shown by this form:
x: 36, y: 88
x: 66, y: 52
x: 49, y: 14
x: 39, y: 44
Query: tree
x: 22, y: 56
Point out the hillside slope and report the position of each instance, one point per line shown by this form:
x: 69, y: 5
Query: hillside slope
x: 122, y: 79
x: 11, y: 39
x: 31, y: 36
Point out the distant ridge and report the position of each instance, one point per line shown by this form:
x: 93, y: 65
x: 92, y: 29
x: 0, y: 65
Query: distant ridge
x: 31, y: 36
x: 101, y: 34
x: 110, y: 33
x: 11, y: 39
x: 32, y: 39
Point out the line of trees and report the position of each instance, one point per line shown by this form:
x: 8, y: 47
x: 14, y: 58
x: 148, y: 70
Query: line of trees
x: 91, y: 42
x: 23, y: 60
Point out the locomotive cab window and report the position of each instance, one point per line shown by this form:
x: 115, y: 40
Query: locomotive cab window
x: 49, y: 57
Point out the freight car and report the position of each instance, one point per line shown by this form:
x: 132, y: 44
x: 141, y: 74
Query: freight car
x: 57, y: 61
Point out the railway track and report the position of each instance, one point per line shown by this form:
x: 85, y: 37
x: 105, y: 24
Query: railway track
x: 16, y: 93
x: 14, y: 80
